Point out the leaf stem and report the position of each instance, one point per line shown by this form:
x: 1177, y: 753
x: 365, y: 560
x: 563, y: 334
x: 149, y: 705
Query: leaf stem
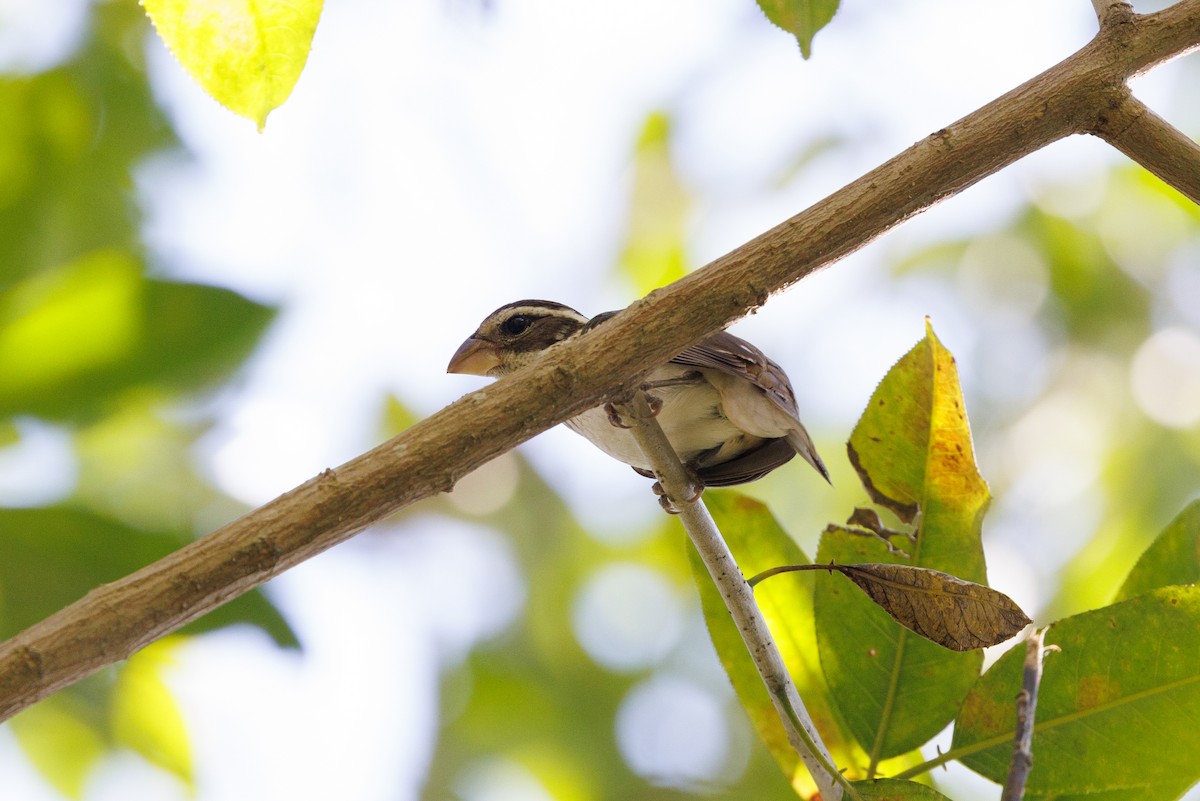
x: 775, y: 571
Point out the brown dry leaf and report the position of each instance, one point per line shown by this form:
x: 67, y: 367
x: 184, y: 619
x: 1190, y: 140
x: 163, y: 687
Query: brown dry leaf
x: 956, y: 614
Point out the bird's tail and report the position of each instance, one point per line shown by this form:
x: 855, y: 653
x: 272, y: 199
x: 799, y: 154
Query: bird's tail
x: 800, y: 441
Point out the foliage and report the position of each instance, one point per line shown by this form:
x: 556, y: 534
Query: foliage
x: 248, y: 55
x: 101, y: 351
x: 1129, y: 672
x: 655, y: 254
x: 801, y: 18
x: 1137, y: 660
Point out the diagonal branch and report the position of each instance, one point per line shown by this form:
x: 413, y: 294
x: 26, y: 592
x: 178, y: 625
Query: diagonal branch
x: 1154, y: 143
x: 114, y: 620
x: 739, y: 600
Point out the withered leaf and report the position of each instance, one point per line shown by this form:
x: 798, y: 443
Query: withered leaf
x: 956, y: 614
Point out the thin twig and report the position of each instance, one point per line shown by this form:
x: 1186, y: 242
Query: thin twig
x: 1134, y: 129
x: 1022, y: 758
x: 739, y: 599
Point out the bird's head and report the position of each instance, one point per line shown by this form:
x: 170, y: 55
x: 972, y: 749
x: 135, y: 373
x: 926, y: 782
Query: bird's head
x: 512, y: 335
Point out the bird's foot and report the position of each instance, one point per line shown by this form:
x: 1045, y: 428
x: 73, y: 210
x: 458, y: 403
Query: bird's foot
x: 614, y: 416
x: 621, y: 408
x: 695, y: 487
x: 653, y: 401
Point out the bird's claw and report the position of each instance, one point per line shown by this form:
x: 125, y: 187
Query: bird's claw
x: 653, y: 401
x: 614, y: 416
x: 695, y: 486
x: 617, y: 418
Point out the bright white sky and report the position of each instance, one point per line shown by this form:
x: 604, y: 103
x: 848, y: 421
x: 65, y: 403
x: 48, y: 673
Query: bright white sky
x: 434, y: 162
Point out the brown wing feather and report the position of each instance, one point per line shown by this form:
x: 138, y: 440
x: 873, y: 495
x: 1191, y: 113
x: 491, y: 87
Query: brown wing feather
x: 737, y: 357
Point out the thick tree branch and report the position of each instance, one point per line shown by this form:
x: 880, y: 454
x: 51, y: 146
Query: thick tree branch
x: 113, y: 621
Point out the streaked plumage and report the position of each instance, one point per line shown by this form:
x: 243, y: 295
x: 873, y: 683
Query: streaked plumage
x: 728, y: 410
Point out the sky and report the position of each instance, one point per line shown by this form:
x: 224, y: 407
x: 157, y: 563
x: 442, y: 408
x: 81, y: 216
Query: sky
x: 438, y: 159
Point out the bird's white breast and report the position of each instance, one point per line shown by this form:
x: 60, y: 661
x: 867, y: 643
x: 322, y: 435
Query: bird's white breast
x: 691, y: 416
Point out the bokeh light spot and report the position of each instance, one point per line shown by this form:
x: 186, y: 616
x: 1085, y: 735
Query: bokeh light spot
x: 671, y: 731
x: 1165, y: 375
x: 627, y: 616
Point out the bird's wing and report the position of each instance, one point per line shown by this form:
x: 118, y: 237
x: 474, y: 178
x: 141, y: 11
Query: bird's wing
x: 750, y: 466
x: 737, y: 357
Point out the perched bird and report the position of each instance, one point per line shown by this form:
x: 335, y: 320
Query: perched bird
x: 727, y: 409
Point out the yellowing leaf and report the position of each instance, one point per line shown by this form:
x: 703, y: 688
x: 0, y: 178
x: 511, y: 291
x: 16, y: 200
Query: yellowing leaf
x: 61, y: 744
x: 247, y: 54
x: 654, y: 253
x: 65, y: 322
x: 912, y: 449
x: 145, y: 716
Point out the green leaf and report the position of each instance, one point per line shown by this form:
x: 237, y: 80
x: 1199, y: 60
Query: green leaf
x: 1117, y: 708
x: 759, y: 543
x: 71, y: 140
x: 247, y: 54
x: 195, y: 335
x: 912, y: 449
x: 82, y: 318
x: 146, y: 717
x: 75, y: 338
x: 801, y: 18
x: 654, y: 253
x: 1099, y: 302
x: 893, y: 790
x: 1173, y: 558
x: 51, y: 557
x: 63, y: 745
x: 1168, y: 791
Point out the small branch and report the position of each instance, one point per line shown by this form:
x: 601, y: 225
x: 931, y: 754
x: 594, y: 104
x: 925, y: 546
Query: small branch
x: 1022, y: 758
x: 989, y: 743
x: 739, y: 599
x: 1105, y: 7
x: 1154, y: 143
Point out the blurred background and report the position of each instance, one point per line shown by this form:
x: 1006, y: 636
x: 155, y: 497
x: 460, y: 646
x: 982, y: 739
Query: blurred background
x: 195, y: 317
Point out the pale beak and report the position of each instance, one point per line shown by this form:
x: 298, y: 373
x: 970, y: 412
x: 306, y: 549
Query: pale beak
x: 475, y: 357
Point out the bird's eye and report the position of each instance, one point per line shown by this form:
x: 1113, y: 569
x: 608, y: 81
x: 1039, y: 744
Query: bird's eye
x: 515, y: 325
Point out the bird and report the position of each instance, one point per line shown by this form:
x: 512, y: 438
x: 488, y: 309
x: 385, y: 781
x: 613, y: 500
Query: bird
x: 728, y: 410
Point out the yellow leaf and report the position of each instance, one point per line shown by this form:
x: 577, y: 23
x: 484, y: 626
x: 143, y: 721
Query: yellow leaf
x: 145, y: 716
x: 655, y: 251
x: 61, y: 743
x: 66, y: 321
x: 247, y: 54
